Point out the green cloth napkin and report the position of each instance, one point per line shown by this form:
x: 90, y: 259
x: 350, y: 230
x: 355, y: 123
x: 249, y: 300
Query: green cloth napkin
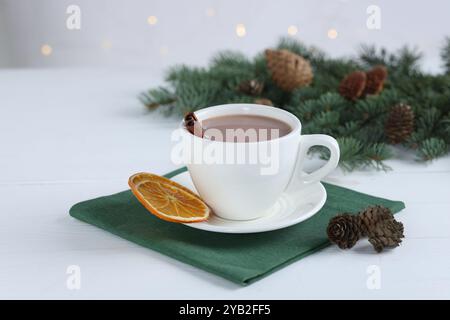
x: 241, y: 258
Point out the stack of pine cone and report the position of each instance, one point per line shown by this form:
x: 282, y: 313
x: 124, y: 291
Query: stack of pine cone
x: 377, y: 223
x: 359, y: 83
x: 400, y: 120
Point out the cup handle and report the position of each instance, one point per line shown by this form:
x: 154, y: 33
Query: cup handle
x: 300, y: 178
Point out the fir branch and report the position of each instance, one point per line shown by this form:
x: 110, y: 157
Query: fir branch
x: 313, y: 54
x: 156, y: 97
x: 375, y: 106
x: 357, y: 125
x: 407, y: 61
x: 329, y: 72
x: 428, y: 122
x: 445, y: 55
x: 325, y: 122
x: 310, y: 107
x: 444, y: 128
x: 192, y: 96
x: 377, y: 153
x: 356, y: 154
x: 432, y: 148
x: 306, y: 93
x: 181, y: 73
x: 351, y: 151
x: 370, y: 56
x: 230, y: 59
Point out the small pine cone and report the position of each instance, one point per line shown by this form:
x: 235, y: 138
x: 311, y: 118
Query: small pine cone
x: 388, y: 228
x: 289, y: 70
x: 379, y: 243
x: 263, y: 101
x: 352, y: 86
x: 386, y: 235
x: 152, y: 106
x: 251, y: 87
x: 372, y: 216
x: 399, y: 124
x: 375, y: 80
x: 344, y: 230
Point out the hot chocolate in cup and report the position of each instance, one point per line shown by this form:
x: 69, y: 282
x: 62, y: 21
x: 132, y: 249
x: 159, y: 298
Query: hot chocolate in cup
x: 247, y: 156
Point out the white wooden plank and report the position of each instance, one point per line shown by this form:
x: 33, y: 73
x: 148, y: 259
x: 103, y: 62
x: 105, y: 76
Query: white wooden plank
x: 70, y: 135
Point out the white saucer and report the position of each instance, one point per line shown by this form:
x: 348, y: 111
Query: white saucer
x: 289, y: 210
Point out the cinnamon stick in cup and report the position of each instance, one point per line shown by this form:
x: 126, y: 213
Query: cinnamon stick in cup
x: 193, y: 125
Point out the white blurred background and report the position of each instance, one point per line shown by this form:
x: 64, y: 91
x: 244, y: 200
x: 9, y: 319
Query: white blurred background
x: 158, y: 33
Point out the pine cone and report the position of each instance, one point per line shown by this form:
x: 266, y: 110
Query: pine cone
x: 372, y: 216
x: 380, y: 243
x: 386, y: 235
x: 344, y: 230
x: 289, y: 70
x: 377, y: 223
x: 375, y: 80
x: 192, y: 124
x: 352, y: 86
x: 251, y: 87
x: 400, y: 123
x: 263, y: 101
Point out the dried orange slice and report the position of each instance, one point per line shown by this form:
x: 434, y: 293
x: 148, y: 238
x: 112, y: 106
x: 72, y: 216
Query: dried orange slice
x: 167, y: 199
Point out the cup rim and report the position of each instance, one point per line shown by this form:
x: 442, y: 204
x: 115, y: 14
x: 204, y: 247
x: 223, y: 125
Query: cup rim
x: 247, y: 108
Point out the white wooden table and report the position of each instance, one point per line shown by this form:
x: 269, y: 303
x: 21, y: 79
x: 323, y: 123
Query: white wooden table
x: 70, y: 135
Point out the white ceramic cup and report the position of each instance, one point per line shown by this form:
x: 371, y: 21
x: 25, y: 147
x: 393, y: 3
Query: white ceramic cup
x: 246, y: 191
